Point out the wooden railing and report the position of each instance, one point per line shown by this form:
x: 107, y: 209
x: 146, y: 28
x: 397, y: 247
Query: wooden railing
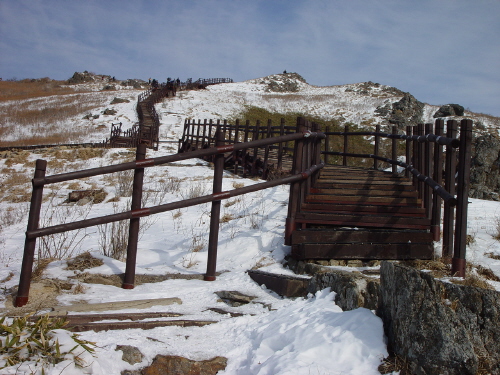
x: 429, y: 167
x: 423, y: 146
x: 306, y: 143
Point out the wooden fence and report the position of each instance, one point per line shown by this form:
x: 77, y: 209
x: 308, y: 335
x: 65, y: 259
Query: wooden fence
x: 426, y: 162
x: 306, y: 140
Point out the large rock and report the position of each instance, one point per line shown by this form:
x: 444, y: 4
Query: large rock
x: 485, y: 168
x: 406, y: 112
x: 449, y: 110
x: 440, y: 328
x: 175, y: 365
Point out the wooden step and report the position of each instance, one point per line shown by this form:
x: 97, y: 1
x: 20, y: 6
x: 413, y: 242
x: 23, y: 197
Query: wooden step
x: 364, y: 208
x: 364, y: 200
x: 362, y: 220
x: 363, y: 251
x: 320, y: 184
x: 365, y: 192
x: 343, y: 236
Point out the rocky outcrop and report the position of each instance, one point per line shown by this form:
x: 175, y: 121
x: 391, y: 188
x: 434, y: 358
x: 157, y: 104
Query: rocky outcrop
x: 405, y: 112
x: 440, y: 328
x: 485, y: 168
x: 449, y: 110
x: 286, y: 82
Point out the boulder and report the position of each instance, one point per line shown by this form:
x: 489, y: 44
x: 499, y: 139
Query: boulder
x: 449, y: 110
x: 440, y: 328
x: 405, y: 112
x: 176, y: 365
x: 485, y: 168
x: 131, y: 354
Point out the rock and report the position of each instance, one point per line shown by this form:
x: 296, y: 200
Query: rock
x: 81, y: 78
x: 96, y: 196
x: 176, y: 365
x: 131, y: 354
x: 449, y: 110
x: 353, y: 289
x: 119, y: 100
x: 109, y: 112
x: 234, y: 298
x: 440, y: 328
x: 405, y: 112
x: 485, y: 168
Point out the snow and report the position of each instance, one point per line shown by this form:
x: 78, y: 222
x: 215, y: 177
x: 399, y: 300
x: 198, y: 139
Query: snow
x: 275, y: 335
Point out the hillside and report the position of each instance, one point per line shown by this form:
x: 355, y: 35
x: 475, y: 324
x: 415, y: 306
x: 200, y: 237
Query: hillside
x: 271, y: 334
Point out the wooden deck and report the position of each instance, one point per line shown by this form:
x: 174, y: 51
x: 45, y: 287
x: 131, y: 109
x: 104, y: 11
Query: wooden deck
x: 352, y: 213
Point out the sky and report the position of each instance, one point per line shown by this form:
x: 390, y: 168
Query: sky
x: 441, y: 51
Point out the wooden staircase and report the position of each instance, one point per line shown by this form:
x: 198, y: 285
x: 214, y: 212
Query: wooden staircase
x: 353, y: 213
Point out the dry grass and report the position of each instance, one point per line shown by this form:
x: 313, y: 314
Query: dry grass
x: 28, y: 88
x: 395, y: 363
x: 40, y: 119
x: 83, y: 262
x: 473, y: 280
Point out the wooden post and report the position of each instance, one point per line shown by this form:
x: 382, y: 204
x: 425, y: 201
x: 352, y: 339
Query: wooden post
x: 408, y: 150
x: 376, y: 147
x: 215, y: 212
x: 463, y: 185
x: 294, y: 198
x: 255, y: 149
x: 394, y: 144
x: 427, y: 172
x: 203, y: 139
x: 438, y: 177
x: 449, y: 183
x: 327, y: 145
x: 244, y: 151
x: 346, y: 144
x: 280, y: 147
x: 421, y: 162
x: 30, y: 243
x: 236, y: 153
x: 198, y: 134
x: 266, y: 150
x: 133, y: 233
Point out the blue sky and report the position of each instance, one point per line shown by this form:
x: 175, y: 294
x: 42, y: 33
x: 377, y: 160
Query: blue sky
x: 441, y: 51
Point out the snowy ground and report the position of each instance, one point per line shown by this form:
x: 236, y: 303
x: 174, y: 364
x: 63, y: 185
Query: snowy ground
x: 276, y: 335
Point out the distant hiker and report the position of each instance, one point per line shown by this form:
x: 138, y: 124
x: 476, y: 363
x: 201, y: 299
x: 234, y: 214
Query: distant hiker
x: 284, y: 71
x: 149, y: 81
x: 178, y: 82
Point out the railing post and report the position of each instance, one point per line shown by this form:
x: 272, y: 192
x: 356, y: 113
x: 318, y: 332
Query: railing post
x: 438, y: 177
x: 394, y: 147
x: 427, y: 172
x: 420, y: 162
x: 449, y: 183
x: 327, y: 145
x: 30, y: 244
x: 376, y: 147
x: 203, y: 139
x: 215, y: 212
x: 236, y: 153
x: 255, y: 149
x: 266, y: 150
x: 294, y: 198
x: 244, y: 151
x: 458, y: 261
x: 280, y: 147
x: 408, y: 149
x: 346, y: 146
x: 133, y: 231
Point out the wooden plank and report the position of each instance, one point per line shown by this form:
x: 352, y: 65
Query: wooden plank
x: 350, y: 185
x: 366, y: 181
x: 363, y: 192
x: 359, y: 236
x: 97, y: 327
x: 379, y: 221
x: 364, y: 251
x: 355, y: 208
x: 365, y: 200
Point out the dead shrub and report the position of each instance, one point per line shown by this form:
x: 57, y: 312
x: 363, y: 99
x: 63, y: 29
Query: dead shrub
x: 473, y: 280
x: 83, y: 261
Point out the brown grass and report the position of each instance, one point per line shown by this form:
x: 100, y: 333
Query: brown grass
x: 38, y: 121
x: 27, y: 88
